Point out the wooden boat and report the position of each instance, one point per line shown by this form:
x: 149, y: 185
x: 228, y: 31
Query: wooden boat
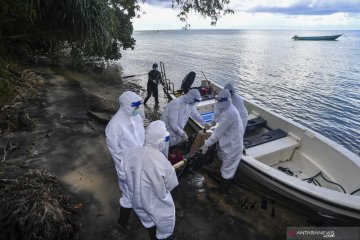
x: 289, y: 158
x: 317, y: 38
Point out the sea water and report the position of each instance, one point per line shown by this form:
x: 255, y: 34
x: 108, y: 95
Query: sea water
x: 314, y: 83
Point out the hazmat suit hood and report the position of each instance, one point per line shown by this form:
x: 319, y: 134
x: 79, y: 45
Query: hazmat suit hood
x: 223, y: 100
x: 157, y: 136
x: 131, y: 103
x: 238, y: 103
x: 177, y: 113
x: 192, y: 97
x: 230, y: 88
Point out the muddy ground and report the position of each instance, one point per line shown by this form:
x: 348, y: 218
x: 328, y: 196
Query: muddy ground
x: 70, y: 144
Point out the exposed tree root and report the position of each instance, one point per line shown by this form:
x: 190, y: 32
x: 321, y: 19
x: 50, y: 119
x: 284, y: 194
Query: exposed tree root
x: 33, y: 206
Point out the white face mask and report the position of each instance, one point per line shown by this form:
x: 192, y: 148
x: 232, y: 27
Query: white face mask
x: 136, y: 112
x: 220, y: 106
x: 139, y: 111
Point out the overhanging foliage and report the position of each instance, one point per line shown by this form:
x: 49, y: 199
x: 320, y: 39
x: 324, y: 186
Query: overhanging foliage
x: 86, y: 29
x: 212, y: 9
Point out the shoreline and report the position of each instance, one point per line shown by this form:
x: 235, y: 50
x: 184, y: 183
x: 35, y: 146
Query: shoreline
x: 69, y: 143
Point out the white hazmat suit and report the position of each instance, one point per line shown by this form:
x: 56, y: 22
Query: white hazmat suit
x: 238, y: 103
x: 177, y: 113
x: 151, y: 177
x: 229, y: 134
x: 125, y: 131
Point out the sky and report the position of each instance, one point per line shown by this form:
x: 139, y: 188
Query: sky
x: 259, y: 14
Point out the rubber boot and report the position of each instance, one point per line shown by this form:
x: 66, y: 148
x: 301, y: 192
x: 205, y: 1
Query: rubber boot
x: 152, y: 233
x: 171, y: 237
x: 225, y: 186
x: 123, y: 220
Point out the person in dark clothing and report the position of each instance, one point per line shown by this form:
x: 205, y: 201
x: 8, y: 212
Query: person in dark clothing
x: 154, y: 77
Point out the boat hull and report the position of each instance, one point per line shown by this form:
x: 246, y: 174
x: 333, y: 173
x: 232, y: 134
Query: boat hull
x: 310, y: 152
x: 317, y: 38
x: 322, y: 207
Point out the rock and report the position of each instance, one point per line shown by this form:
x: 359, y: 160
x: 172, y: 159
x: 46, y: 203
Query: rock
x: 24, y: 121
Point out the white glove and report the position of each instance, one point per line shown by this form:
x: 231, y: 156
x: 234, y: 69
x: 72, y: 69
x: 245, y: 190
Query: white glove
x: 184, y: 137
x: 204, y: 148
x: 181, y: 134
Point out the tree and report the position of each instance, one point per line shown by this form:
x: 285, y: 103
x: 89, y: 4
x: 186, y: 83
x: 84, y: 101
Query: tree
x: 213, y: 9
x: 87, y: 29
x: 91, y: 28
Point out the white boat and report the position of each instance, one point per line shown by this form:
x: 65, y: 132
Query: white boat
x: 291, y: 159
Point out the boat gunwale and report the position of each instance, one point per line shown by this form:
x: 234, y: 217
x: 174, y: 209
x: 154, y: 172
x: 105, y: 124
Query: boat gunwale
x: 327, y: 141
x: 309, y: 195
x: 304, y: 187
x: 347, y: 154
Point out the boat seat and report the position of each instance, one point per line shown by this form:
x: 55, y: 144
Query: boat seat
x: 264, y: 138
x: 255, y: 123
x: 274, y: 151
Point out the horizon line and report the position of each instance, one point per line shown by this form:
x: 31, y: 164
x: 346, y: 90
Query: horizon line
x: 247, y: 29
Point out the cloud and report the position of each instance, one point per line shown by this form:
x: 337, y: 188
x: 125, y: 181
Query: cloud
x: 161, y: 17
x: 299, y: 7
x: 159, y: 3
x: 287, y: 7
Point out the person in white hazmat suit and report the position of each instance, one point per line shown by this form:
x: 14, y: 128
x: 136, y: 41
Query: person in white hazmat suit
x: 151, y: 177
x: 229, y: 135
x: 177, y: 113
x: 125, y: 131
x: 238, y: 102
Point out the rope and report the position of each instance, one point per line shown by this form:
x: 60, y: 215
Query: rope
x: 315, y: 181
x: 352, y: 193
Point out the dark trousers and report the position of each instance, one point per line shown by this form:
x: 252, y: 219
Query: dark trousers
x: 152, y: 90
x: 124, y: 216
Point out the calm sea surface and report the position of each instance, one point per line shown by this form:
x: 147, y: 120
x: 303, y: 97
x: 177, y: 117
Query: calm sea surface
x: 315, y: 83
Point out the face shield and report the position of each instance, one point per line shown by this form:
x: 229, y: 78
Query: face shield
x: 138, y: 109
x: 193, y: 97
x: 223, y: 100
x: 195, y: 102
x: 165, y: 151
x: 129, y: 101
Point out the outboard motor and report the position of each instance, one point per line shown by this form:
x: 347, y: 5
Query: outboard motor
x: 188, y: 81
